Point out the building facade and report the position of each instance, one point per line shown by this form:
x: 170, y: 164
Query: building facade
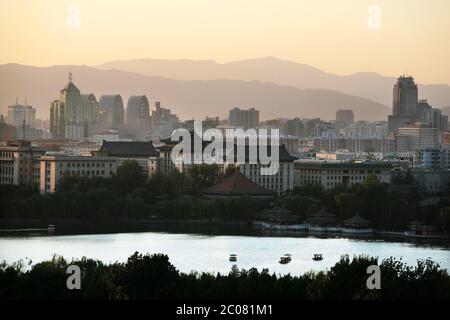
x: 346, y: 117
x: 54, y: 168
x: 138, y: 117
x: 329, y: 174
x: 411, y: 138
x: 244, y: 118
x: 73, y: 110
x: 19, y: 163
x: 383, y: 145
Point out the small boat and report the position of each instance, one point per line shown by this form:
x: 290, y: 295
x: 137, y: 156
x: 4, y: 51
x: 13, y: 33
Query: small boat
x: 233, y: 258
x: 317, y: 257
x: 285, y: 259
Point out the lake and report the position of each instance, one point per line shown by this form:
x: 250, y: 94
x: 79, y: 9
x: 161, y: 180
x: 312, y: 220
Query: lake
x: 210, y: 252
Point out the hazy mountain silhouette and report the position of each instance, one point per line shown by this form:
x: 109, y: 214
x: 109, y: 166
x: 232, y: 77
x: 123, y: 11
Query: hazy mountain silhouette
x: 364, y: 84
x: 188, y: 99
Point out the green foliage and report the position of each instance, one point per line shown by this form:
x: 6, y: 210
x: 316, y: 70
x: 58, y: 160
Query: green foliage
x: 154, y: 277
x: 129, y: 176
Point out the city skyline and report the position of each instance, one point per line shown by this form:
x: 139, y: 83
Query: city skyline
x: 381, y: 30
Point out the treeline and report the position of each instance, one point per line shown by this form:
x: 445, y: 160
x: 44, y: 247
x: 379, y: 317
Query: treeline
x: 387, y: 209
x: 154, y: 277
x: 129, y: 194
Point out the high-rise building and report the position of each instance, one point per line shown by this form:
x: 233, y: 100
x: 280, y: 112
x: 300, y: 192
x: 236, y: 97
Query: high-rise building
x: 138, y: 117
x: 405, y: 96
x: 404, y: 105
x: 72, y: 109
x: 111, y: 111
x: 162, y: 123
x: 18, y: 114
x: 411, y: 138
x: 244, y: 118
x: 346, y: 117
x: 407, y: 109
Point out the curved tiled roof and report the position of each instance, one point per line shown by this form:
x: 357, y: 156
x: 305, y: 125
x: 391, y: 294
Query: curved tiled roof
x: 128, y: 149
x: 238, y: 185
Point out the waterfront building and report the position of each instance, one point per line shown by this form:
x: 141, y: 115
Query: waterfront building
x: 331, y: 174
x: 322, y: 218
x: 19, y: 163
x: 54, y: 168
x: 237, y: 186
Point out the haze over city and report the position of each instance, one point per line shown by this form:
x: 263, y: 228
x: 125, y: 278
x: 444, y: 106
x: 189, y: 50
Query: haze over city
x: 225, y: 149
x: 412, y: 35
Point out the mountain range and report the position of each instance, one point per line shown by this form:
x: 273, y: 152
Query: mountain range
x: 195, y: 89
x: 369, y: 85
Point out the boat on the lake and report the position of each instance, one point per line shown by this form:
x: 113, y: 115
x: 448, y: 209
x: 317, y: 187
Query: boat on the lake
x: 285, y: 259
x: 317, y: 257
x: 233, y: 258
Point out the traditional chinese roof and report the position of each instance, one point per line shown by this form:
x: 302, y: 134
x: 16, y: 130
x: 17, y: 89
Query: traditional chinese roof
x: 323, y: 217
x: 357, y: 220
x: 238, y: 185
x: 127, y: 149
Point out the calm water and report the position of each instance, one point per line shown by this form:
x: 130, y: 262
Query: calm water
x: 210, y: 252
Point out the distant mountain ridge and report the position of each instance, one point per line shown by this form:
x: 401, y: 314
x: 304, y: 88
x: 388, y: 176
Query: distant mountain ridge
x: 189, y: 99
x: 368, y: 85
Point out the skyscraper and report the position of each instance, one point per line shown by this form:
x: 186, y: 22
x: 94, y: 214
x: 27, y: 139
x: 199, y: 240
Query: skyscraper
x: 244, y: 118
x: 111, y: 111
x: 138, y: 116
x: 18, y: 113
x: 345, y: 116
x: 73, y: 112
x: 405, y: 104
x: 405, y: 96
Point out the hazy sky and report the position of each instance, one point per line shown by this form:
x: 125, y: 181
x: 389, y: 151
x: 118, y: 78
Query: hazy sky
x: 414, y: 35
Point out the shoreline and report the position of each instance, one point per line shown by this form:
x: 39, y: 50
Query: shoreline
x: 39, y: 227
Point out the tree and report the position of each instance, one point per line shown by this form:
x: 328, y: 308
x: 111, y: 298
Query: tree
x: 444, y: 218
x: 203, y: 176
x: 129, y: 176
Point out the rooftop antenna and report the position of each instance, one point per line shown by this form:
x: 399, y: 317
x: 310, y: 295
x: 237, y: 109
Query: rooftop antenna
x: 26, y: 103
x: 17, y: 101
x: 70, y: 76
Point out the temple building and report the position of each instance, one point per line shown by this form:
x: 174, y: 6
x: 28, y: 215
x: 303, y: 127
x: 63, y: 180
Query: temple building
x: 237, y: 186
